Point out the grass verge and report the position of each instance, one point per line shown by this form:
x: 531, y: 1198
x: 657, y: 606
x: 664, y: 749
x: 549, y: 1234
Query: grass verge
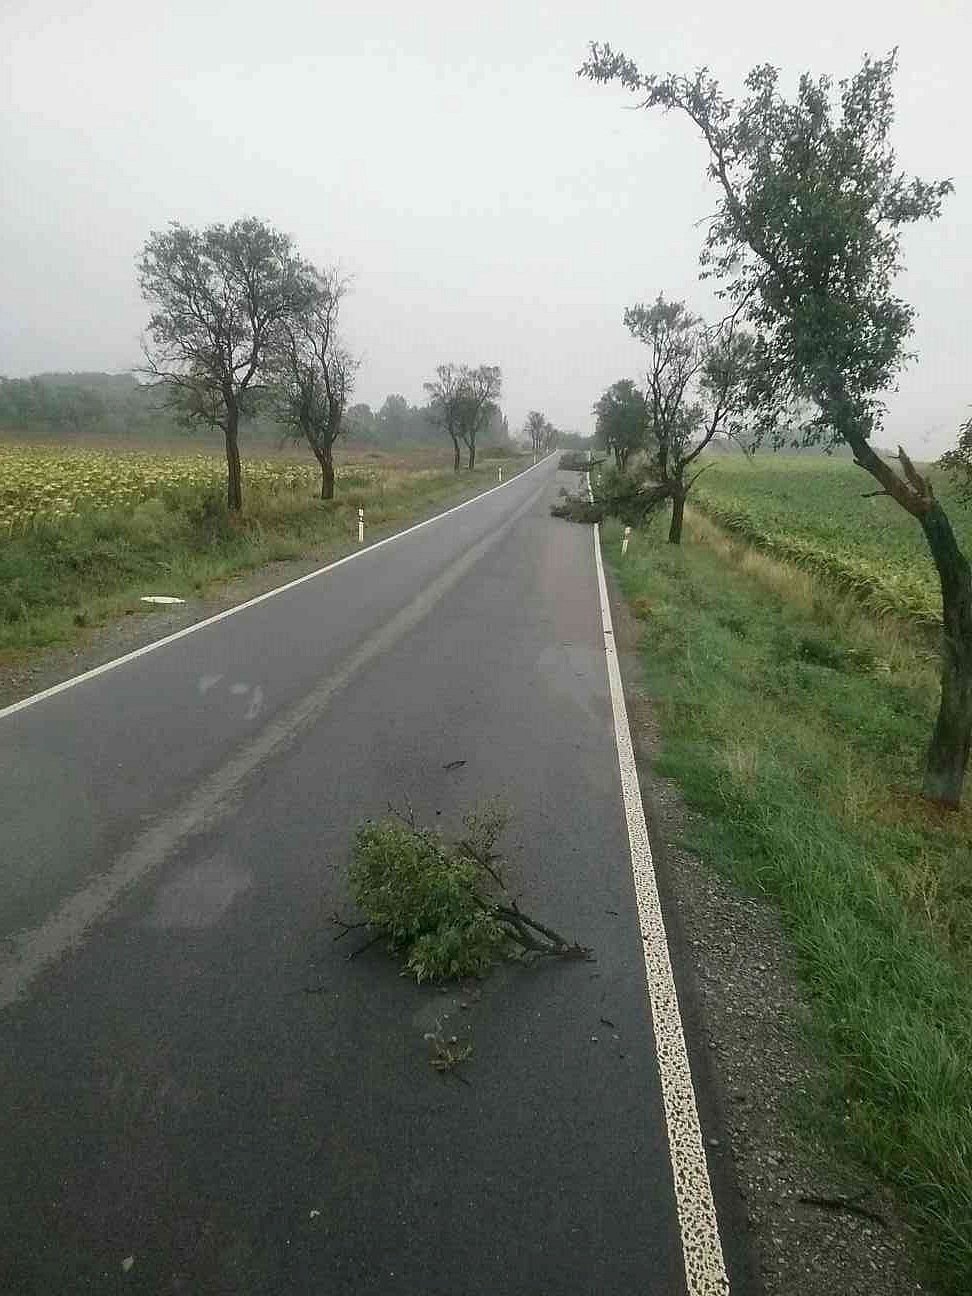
x: 62, y: 576
x: 795, y: 728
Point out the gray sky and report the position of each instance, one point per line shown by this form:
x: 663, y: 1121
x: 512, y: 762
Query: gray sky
x: 491, y: 207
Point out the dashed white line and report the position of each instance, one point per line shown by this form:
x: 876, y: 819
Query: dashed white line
x: 705, y: 1269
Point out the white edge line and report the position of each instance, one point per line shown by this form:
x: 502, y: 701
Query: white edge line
x: 705, y: 1269
x: 107, y: 666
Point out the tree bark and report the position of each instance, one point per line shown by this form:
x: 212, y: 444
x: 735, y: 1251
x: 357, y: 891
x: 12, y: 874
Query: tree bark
x: 948, y: 752
x: 326, y: 460
x: 678, y: 515
x: 234, y: 470
x: 457, y: 465
x: 472, y: 455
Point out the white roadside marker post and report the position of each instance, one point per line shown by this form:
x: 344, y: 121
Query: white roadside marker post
x: 624, y: 542
x: 360, y: 526
x: 499, y: 474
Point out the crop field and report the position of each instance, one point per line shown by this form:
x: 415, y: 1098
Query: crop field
x: 51, y: 482
x: 810, y: 512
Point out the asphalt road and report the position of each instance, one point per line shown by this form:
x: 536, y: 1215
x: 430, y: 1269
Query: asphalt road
x: 200, y: 1093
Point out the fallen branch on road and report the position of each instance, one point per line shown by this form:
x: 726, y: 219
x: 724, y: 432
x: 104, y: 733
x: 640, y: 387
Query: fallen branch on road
x: 444, y: 905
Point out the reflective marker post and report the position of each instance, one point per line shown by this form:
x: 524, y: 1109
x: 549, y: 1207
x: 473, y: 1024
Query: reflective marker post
x: 624, y: 542
x: 360, y: 526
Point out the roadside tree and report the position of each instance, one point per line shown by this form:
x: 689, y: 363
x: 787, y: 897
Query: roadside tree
x: 313, y: 374
x: 806, y: 242
x: 481, y: 392
x: 463, y: 401
x: 218, y: 296
x: 541, y: 433
x: 696, y: 388
x: 446, y: 397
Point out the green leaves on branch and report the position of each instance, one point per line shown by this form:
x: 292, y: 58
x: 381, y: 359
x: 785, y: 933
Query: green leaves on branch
x: 442, y: 905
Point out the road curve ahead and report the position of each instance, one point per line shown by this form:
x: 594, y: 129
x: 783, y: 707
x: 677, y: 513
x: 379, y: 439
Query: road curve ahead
x: 201, y: 1094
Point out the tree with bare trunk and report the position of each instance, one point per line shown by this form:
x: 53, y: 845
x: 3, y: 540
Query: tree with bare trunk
x: 482, y: 389
x: 696, y: 388
x: 314, y: 373
x: 806, y: 242
x: 446, y: 397
x: 218, y: 296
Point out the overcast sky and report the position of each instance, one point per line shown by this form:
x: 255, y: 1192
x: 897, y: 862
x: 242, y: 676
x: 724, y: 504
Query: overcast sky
x: 491, y: 207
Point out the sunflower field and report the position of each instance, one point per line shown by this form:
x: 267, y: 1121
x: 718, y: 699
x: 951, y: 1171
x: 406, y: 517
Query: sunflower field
x: 50, y: 482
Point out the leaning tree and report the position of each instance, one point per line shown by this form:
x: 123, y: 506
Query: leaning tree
x: 806, y: 242
x: 313, y: 373
x: 218, y: 296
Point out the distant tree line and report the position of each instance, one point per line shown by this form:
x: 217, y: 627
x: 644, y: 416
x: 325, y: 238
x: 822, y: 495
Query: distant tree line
x: 63, y: 405
x: 80, y: 404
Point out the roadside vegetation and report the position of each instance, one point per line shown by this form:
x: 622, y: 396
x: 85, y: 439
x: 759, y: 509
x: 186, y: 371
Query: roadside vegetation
x: 791, y: 719
x: 89, y: 533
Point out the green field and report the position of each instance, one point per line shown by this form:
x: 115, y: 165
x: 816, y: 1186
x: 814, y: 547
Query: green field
x: 809, y: 511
